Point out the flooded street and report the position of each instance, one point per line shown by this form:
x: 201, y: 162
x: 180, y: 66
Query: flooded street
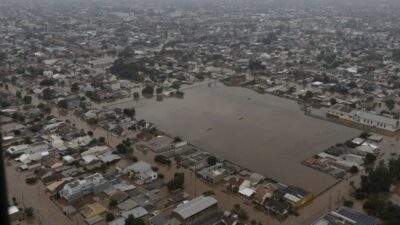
x: 264, y: 133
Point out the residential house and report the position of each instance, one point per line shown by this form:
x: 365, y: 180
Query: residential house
x: 97, y: 150
x: 276, y: 206
x: 137, y: 212
x: 234, y: 183
x: 213, y: 174
x: 91, y: 210
x: 295, y: 196
x: 159, y: 219
x: 142, y: 171
x: 264, y: 191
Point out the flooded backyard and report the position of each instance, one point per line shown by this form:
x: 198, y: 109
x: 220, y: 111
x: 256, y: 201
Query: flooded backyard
x: 264, y: 133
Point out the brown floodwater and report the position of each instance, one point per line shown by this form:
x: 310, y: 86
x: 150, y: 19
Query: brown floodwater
x: 264, y: 133
x: 260, y: 132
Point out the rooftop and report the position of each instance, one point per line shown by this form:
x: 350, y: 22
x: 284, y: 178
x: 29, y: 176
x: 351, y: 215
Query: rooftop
x: 195, y: 206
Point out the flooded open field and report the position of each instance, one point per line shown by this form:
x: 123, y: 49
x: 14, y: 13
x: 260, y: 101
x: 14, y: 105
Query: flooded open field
x: 264, y: 133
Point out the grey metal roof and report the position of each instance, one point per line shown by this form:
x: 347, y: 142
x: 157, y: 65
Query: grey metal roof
x: 94, y: 219
x: 159, y: 219
x: 195, y: 206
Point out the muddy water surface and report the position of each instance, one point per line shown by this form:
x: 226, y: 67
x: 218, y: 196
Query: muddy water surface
x: 265, y: 133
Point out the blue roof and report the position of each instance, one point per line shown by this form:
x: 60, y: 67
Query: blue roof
x: 361, y: 219
x: 344, y: 216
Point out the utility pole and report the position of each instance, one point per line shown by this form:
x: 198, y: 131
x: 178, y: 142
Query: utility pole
x: 195, y: 179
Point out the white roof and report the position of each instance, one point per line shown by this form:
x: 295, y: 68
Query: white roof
x: 89, y: 158
x: 12, y: 209
x: 358, y: 141
x: 292, y: 198
x: 68, y: 158
x: 6, y: 138
x: 139, y: 167
x: 367, y: 149
x: 96, y: 150
x: 317, y: 83
x: 248, y: 192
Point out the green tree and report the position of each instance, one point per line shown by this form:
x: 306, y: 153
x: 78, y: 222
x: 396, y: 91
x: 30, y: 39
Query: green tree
x: 74, y: 87
x: 176, y: 85
x: 390, y: 104
x: 159, y: 90
x: 112, y: 203
x: 131, y: 220
x: 369, y: 158
x: 208, y: 193
x: 109, y: 217
x: 348, y: 203
x: 102, y: 140
x: 14, y: 80
x: 47, y: 94
x: 177, y: 182
x: 148, y: 90
x: 378, y: 180
x: 122, y: 148
x: 309, y: 95
x: 333, y: 101
x: 177, y: 139
x: 162, y: 159
x: 18, y: 94
x: 29, y: 212
x: 353, y: 170
x: 47, y: 82
x: 63, y: 104
x: 212, y: 160
x: 27, y: 99
x: 129, y: 112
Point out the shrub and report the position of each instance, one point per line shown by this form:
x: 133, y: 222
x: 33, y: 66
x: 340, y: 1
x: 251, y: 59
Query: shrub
x: 177, y: 182
x: 113, y: 203
x: 149, y: 90
x: 370, y: 158
x: 29, y: 212
x: 109, y: 217
x: 212, y: 160
x: 162, y: 159
x: 208, y: 193
x: 353, y: 170
x: 348, y: 203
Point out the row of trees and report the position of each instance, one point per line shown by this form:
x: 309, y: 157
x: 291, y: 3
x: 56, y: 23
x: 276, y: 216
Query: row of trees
x: 378, y: 181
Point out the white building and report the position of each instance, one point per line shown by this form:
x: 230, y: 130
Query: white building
x: 77, y: 189
x: 365, y: 119
x: 141, y: 170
